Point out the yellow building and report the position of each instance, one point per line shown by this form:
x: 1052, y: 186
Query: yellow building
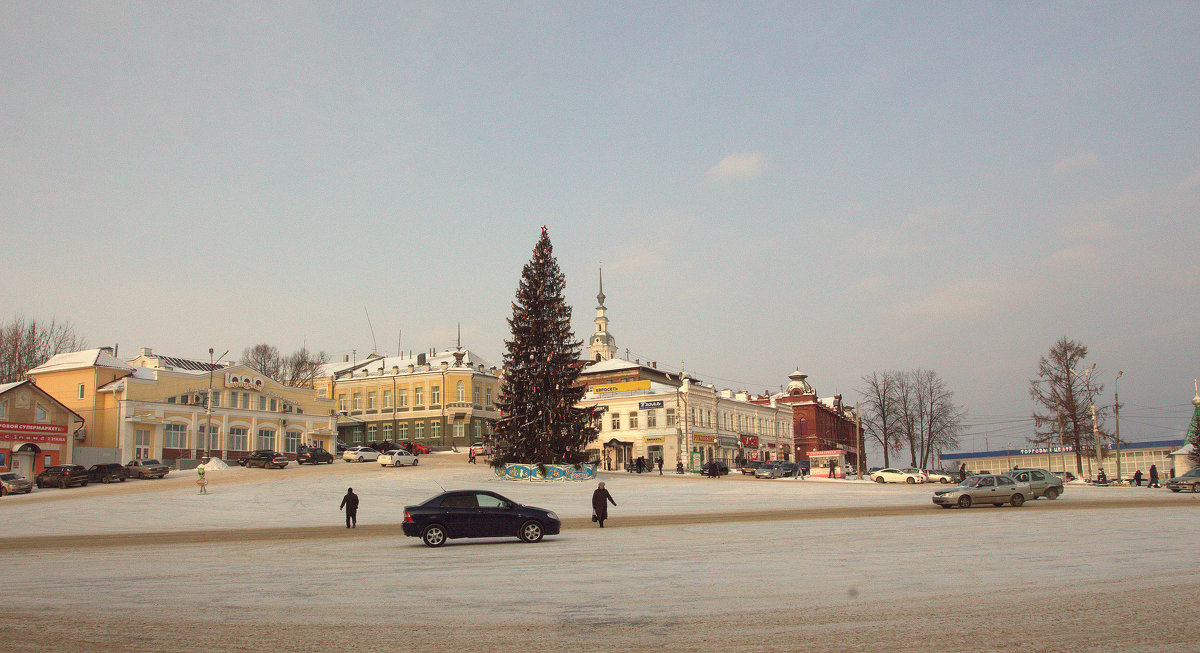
x: 438, y: 399
x: 36, y: 430
x: 158, y: 407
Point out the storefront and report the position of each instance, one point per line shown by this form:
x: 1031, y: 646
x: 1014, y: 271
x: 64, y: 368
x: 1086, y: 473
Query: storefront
x: 703, y: 449
x: 830, y: 463
x: 35, y: 429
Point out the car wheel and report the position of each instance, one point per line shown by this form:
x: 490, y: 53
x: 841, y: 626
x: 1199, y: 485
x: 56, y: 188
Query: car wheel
x: 122, y: 479
x: 3, y: 491
x: 415, y: 461
x: 84, y: 484
x: 1017, y: 500
x: 1052, y: 493
x: 142, y: 475
x: 1195, y: 488
x: 910, y: 480
x: 1174, y: 489
x: 946, y: 481
x: 40, y: 486
x: 964, y: 501
x: 62, y: 484
x: 531, y: 531
x: 944, y: 505
x: 879, y: 479
x: 396, y: 464
x: 434, y: 535
x: 360, y: 459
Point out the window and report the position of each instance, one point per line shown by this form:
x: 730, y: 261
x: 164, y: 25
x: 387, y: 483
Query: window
x: 488, y: 405
x: 633, y: 419
x: 238, y: 439
x: 170, y: 400
x: 387, y: 398
x: 79, y: 391
x: 372, y: 431
x: 419, y: 428
x: 670, y: 417
x: 245, y: 401
x: 460, y: 430
x: 277, y: 405
x: 3, y: 409
x: 40, y: 415
x: 291, y: 441
x: 371, y: 397
x: 342, y: 401
x: 435, y: 430
x: 476, y: 430
x: 402, y: 398
x: 460, y: 391
x: 141, y: 444
x: 435, y: 395
x: 175, y: 436
x: 210, y: 440
x: 387, y: 432
x: 216, y: 401
x: 651, y: 419
x: 266, y: 439
x: 358, y: 401
x: 418, y: 396
x: 402, y: 431
x: 616, y: 421
x: 322, y: 393
x: 475, y: 397
x: 262, y: 402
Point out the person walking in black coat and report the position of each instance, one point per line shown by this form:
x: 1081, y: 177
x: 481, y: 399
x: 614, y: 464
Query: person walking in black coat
x: 1137, y: 478
x: 600, y: 500
x: 350, y: 504
x: 1153, y: 477
x: 962, y: 472
x: 660, y: 465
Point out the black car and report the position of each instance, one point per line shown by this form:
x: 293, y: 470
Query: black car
x: 716, y: 468
x: 107, y: 473
x: 477, y: 513
x: 264, y: 458
x: 63, y: 476
x: 313, y: 456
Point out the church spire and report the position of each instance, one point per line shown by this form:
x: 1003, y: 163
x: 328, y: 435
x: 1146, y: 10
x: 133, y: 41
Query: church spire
x: 600, y: 297
x: 602, y: 345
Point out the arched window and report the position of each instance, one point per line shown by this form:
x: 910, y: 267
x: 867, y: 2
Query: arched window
x: 461, y: 392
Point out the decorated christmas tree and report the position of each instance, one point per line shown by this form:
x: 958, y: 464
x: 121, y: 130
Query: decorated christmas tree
x: 539, y: 422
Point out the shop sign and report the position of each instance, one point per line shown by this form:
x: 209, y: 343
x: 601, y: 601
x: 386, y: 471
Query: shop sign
x: 18, y: 427
x: 770, y: 445
x: 727, y: 441
x: 750, y: 441
x: 646, y: 405
x: 703, y: 437
x: 654, y: 439
x: 627, y: 386
x: 244, y: 381
x: 1036, y: 450
x: 827, y: 452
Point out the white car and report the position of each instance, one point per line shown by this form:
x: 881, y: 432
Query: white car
x: 396, y: 458
x: 892, y: 475
x: 919, y: 472
x: 938, y: 476
x: 359, y: 454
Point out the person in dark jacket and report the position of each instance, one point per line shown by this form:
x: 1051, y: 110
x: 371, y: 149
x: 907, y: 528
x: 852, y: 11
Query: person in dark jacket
x: 1137, y: 478
x: 350, y: 504
x: 660, y: 465
x: 962, y: 472
x: 1153, y: 477
x: 600, y: 500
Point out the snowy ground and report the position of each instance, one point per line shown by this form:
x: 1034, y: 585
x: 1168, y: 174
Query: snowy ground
x: 263, y: 562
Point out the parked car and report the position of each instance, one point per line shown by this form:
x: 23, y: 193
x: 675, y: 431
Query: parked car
x: 147, y: 468
x: 938, y: 476
x: 266, y: 459
x: 359, y: 454
x: 14, y: 483
x: 919, y: 472
x: 749, y: 467
x: 1189, y: 480
x: 477, y: 513
x: 893, y: 475
x: 313, y: 456
x: 1041, y: 482
x: 415, y: 448
x: 396, y: 458
x: 996, y: 489
x: 63, y: 476
x: 768, y: 471
x: 716, y: 468
x: 107, y: 473
x: 341, y: 446
x: 1067, y: 477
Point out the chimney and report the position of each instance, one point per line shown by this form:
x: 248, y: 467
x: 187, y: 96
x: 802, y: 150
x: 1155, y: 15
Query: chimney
x: 346, y: 358
x: 654, y: 364
x: 146, y: 352
x: 420, y: 359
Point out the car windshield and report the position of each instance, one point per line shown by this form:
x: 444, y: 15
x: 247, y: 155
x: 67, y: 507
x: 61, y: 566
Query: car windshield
x: 8, y: 477
x: 151, y: 462
x: 972, y: 481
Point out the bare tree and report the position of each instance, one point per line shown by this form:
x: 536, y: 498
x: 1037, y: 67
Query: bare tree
x: 297, y: 370
x: 25, y: 344
x: 1065, y: 391
x: 939, y: 419
x: 909, y: 411
x: 881, y: 418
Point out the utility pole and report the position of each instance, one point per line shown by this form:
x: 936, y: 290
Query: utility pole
x: 1117, y: 415
x: 1062, y: 450
x: 858, y: 430
x: 1096, y: 437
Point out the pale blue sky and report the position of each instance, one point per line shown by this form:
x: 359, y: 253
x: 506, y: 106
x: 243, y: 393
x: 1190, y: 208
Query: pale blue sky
x: 840, y: 187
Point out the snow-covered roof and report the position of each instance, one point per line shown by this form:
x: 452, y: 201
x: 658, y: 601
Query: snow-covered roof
x: 80, y: 359
x: 434, y: 361
x: 5, y: 387
x: 611, y: 365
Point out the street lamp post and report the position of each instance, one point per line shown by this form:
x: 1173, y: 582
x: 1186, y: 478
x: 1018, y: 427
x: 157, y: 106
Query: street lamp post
x: 1117, y: 416
x: 208, y: 404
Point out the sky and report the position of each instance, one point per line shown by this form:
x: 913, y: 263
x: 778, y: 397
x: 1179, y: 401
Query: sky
x: 836, y: 187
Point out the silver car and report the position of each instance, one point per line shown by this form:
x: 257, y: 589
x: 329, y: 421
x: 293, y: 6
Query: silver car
x: 995, y: 489
x: 14, y: 483
x: 1189, y: 480
x: 1041, y: 482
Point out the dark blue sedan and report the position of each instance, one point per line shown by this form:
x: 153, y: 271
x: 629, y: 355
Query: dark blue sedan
x: 477, y: 513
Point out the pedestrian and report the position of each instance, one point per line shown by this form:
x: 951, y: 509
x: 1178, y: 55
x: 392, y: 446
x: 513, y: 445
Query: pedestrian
x: 600, y: 500
x: 1137, y: 478
x: 202, y: 482
x: 350, y: 503
x: 1153, y: 477
x: 660, y: 465
x: 962, y: 472
x: 471, y: 456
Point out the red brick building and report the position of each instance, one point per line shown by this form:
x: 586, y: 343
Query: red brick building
x: 817, y: 424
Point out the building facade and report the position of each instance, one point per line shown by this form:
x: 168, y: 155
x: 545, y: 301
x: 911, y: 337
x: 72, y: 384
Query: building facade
x: 1134, y: 456
x: 181, y: 411
x: 438, y: 399
x: 36, y: 430
x: 826, y: 426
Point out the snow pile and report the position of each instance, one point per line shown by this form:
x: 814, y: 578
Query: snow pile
x: 214, y: 464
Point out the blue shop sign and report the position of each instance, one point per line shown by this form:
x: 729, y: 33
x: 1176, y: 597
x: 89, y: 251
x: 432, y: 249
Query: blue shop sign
x: 645, y: 405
